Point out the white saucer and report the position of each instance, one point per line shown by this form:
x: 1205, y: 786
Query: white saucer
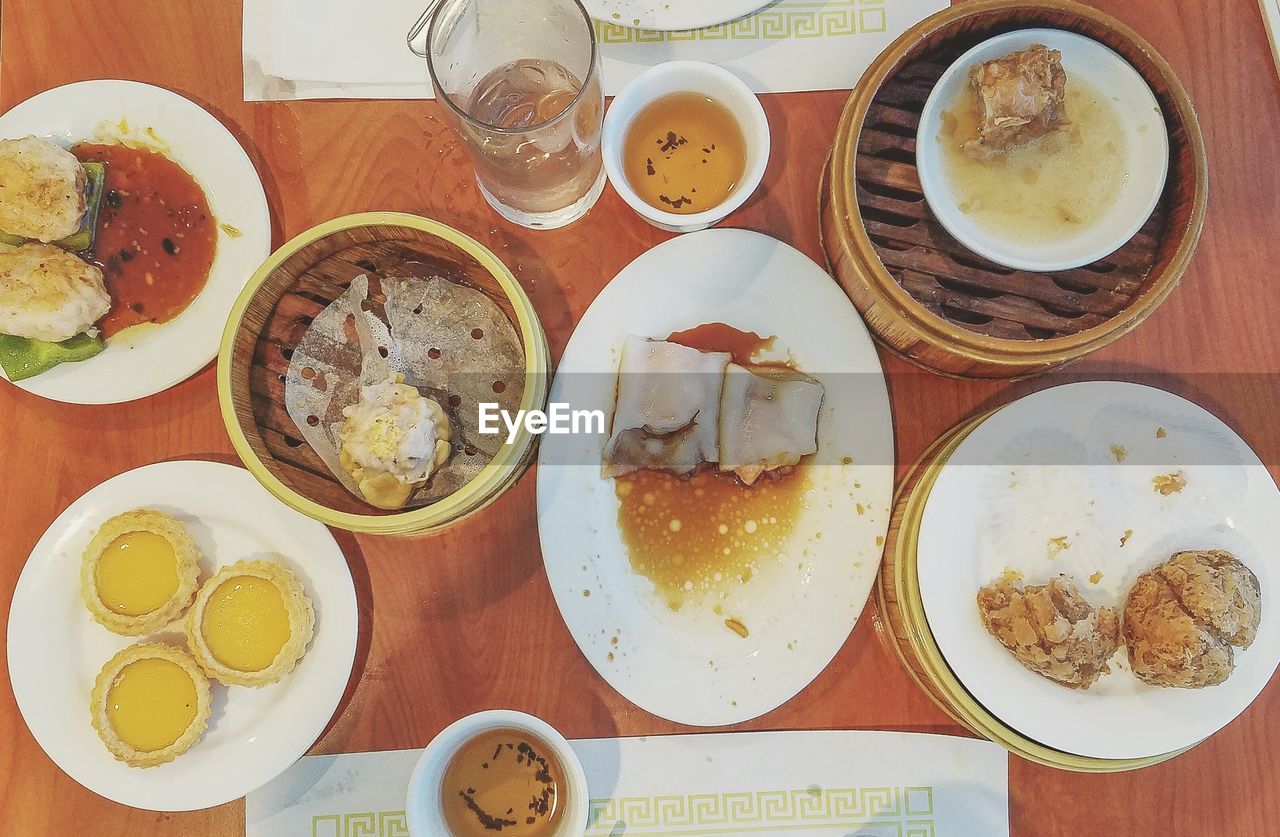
x: 147, y: 359
x: 1146, y: 142
x: 665, y: 15
x: 56, y: 649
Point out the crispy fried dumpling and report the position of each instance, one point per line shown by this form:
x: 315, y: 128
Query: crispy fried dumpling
x: 49, y: 294
x: 1020, y: 98
x: 42, y: 190
x: 1182, y: 618
x: 1051, y: 629
x: 666, y: 414
x: 768, y: 419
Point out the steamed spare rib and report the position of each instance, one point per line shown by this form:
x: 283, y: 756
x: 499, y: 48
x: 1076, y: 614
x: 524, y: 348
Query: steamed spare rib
x: 1020, y: 99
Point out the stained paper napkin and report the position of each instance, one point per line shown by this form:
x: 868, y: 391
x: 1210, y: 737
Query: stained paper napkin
x: 327, y: 49
x: 820, y: 784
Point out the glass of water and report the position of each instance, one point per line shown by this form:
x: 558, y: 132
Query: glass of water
x: 519, y: 81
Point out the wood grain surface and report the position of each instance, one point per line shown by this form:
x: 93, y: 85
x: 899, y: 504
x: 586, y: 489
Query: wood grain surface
x: 464, y: 620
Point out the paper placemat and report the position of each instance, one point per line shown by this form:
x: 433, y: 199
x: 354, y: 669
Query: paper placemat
x: 324, y: 49
x: 819, y: 784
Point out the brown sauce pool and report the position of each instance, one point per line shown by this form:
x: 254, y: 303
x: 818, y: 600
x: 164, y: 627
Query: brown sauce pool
x: 156, y: 236
x: 698, y: 536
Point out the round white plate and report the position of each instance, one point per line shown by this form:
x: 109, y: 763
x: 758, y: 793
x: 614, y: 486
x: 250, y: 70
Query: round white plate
x: 56, y: 649
x: 686, y: 666
x: 1146, y: 141
x: 1043, y: 468
x: 147, y: 359
x: 671, y: 15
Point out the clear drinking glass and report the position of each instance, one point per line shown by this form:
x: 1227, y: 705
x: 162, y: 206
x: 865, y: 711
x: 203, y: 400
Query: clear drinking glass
x: 519, y: 81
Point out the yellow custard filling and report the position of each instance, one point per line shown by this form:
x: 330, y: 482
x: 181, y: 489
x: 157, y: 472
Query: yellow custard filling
x: 137, y: 573
x: 151, y: 703
x: 246, y: 623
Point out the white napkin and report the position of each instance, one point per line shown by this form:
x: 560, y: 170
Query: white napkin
x: 318, y: 49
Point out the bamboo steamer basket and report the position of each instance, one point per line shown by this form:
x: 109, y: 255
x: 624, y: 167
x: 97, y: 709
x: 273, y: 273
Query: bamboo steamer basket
x: 943, y: 307
x: 273, y: 312
x: 907, y: 627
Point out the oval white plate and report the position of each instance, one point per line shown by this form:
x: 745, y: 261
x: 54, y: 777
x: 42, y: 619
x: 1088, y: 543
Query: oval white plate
x: 1009, y: 487
x: 1146, y: 139
x: 665, y: 15
x: 148, y: 359
x: 687, y: 666
x: 56, y: 649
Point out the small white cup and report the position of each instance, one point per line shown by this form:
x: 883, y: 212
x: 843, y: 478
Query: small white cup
x: 687, y: 77
x: 423, y: 802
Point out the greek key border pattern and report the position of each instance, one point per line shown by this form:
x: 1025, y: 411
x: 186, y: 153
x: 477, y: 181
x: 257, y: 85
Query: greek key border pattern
x: 891, y: 811
x: 780, y: 21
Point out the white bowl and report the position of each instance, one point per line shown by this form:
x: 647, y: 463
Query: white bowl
x: 1146, y: 140
x: 423, y: 803
x: 687, y: 77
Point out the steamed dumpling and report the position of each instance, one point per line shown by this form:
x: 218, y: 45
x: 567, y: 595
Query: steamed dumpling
x: 49, y: 294
x: 667, y: 409
x: 768, y: 419
x: 392, y: 440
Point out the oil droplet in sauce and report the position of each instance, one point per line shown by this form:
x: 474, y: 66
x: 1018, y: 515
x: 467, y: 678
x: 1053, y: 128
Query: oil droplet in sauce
x: 1047, y: 190
x: 684, y: 153
x: 726, y: 532
x: 503, y: 781
x: 156, y: 236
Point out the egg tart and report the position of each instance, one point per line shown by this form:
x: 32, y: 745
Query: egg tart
x: 250, y: 623
x: 150, y: 703
x: 139, y: 572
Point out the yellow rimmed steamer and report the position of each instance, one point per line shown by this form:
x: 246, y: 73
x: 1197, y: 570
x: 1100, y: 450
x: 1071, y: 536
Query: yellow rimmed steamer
x: 898, y: 599
x: 943, y: 307
x: 308, y: 273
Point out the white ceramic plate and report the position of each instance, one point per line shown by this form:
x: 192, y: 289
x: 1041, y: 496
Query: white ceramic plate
x: 1043, y: 467
x: 686, y: 666
x: 671, y: 15
x: 56, y: 649
x: 147, y: 359
x: 1146, y: 141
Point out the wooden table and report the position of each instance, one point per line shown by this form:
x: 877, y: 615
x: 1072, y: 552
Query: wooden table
x: 465, y: 620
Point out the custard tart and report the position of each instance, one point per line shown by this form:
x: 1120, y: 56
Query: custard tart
x: 250, y: 624
x: 150, y: 703
x: 139, y: 572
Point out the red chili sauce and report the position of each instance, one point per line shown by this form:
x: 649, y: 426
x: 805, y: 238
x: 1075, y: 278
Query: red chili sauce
x: 156, y: 237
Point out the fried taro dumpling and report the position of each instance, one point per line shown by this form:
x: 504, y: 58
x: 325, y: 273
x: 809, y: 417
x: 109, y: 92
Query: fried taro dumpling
x: 667, y: 408
x: 1182, y: 618
x: 768, y: 419
x: 1021, y: 97
x: 1051, y: 629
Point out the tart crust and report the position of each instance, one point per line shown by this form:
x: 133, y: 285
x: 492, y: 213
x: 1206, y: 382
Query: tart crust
x: 296, y: 604
x: 102, y: 688
x: 186, y: 556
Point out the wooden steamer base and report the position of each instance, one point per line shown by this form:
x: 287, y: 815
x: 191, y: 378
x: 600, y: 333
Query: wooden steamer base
x: 943, y: 307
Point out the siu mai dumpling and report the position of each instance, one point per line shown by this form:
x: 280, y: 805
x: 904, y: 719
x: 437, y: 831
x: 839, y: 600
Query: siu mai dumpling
x: 768, y: 419
x: 665, y: 418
